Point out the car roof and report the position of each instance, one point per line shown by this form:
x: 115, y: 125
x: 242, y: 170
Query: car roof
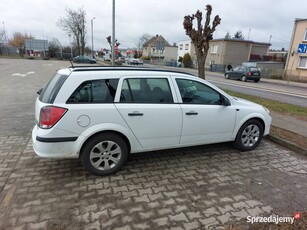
x: 123, y: 68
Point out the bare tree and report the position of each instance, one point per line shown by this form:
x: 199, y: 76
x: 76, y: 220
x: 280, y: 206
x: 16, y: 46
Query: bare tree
x: 74, y: 23
x: 18, y: 41
x: 201, y: 35
x: 144, y: 38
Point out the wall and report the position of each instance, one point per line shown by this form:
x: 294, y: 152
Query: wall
x: 293, y: 71
x: 236, y: 52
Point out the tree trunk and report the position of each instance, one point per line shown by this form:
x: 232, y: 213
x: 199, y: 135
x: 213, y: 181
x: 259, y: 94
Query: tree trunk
x: 201, y: 68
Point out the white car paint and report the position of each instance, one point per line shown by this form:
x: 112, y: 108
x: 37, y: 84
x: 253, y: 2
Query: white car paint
x: 161, y: 126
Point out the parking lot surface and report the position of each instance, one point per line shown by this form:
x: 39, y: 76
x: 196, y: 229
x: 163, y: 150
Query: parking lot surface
x: 202, y: 187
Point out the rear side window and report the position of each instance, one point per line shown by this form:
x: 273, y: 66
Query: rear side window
x: 146, y: 90
x: 253, y: 69
x: 51, y: 90
x: 94, y: 91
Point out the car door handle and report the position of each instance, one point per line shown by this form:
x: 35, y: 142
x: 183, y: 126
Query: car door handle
x: 134, y: 114
x: 191, y: 113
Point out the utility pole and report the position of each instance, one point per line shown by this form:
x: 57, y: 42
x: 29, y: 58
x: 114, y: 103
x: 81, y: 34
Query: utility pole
x: 113, y: 34
x: 5, y: 39
x: 92, y: 37
x: 70, y: 44
x: 249, y: 31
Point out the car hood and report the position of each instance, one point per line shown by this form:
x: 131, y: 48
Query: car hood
x: 242, y: 102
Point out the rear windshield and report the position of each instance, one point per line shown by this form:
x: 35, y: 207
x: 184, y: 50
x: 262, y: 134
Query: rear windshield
x: 253, y: 69
x: 51, y: 90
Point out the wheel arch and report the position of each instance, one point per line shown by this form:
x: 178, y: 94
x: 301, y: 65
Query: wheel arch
x: 124, y: 137
x: 261, y: 120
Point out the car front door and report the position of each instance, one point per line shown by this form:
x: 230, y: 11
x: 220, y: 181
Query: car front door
x: 147, y: 105
x: 232, y: 73
x: 207, y: 115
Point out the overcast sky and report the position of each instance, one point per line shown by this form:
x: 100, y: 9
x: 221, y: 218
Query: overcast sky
x: 258, y: 18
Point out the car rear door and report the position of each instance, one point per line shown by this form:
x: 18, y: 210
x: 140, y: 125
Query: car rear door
x: 147, y: 106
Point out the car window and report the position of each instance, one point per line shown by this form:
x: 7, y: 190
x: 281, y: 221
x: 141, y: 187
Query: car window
x: 193, y: 92
x: 50, y: 92
x: 253, y: 69
x: 95, y: 91
x: 146, y: 90
x: 242, y: 68
x: 236, y: 68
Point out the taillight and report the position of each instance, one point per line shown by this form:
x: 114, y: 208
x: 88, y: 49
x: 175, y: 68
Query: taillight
x: 50, y: 115
x: 249, y: 74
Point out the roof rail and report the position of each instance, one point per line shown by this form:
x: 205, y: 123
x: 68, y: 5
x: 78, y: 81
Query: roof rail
x: 124, y: 68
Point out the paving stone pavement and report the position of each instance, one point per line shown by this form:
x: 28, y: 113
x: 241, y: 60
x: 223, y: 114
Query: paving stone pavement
x: 205, y: 187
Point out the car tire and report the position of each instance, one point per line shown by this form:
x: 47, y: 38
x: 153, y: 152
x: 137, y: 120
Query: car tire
x: 257, y: 80
x: 249, y: 135
x: 104, y: 154
x: 227, y: 76
x: 243, y: 78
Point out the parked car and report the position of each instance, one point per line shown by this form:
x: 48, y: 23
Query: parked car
x: 244, y: 73
x: 135, y: 61
x: 84, y: 59
x: 103, y: 114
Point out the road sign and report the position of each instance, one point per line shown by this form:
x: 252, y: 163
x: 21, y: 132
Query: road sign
x: 302, y: 48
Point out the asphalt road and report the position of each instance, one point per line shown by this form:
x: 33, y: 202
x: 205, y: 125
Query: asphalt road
x: 20, y: 80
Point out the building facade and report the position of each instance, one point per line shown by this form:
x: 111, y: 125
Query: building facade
x: 296, y: 65
x: 159, y: 50
x: 235, y: 51
x: 227, y: 51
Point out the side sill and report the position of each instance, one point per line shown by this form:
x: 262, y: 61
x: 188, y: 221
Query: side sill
x: 56, y: 139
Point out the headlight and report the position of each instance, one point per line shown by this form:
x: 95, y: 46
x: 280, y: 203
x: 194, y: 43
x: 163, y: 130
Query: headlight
x: 266, y: 109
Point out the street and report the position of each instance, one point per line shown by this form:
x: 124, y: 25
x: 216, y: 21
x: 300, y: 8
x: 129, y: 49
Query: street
x: 202, y: 187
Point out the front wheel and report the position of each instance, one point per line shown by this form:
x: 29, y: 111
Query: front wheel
x: 249, y: 135
x: 227, y: 76
x: 104, y: 154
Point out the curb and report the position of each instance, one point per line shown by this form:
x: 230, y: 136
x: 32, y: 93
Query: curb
x: 287, y: 144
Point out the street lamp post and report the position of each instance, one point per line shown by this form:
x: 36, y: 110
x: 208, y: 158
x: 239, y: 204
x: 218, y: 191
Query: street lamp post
x: 70, y: 44
x: 92, y: 37
x: 113, y: 34
x: 5, y: 39
x: 249, y: 31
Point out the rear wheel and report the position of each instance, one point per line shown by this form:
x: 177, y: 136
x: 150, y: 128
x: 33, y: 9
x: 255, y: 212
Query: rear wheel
x: 104, y: 154
x: 257, y: 80
x: 249, y: 135
x: 243, y: 78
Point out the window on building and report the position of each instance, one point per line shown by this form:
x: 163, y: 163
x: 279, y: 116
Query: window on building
x: 186, y: 47
x: 214, y: 49
x: 305, y: 36
x: 303, y: 62
x: 181, y: 47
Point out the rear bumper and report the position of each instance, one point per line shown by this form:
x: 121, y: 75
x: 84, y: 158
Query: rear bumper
x: 253, y: 77
x: 60, y: 147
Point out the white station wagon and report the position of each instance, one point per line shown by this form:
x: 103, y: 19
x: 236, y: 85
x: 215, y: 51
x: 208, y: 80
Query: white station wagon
x: 102, y: 114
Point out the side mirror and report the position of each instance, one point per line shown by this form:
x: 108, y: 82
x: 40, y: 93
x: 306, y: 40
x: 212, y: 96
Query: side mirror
x: 225, y: 101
